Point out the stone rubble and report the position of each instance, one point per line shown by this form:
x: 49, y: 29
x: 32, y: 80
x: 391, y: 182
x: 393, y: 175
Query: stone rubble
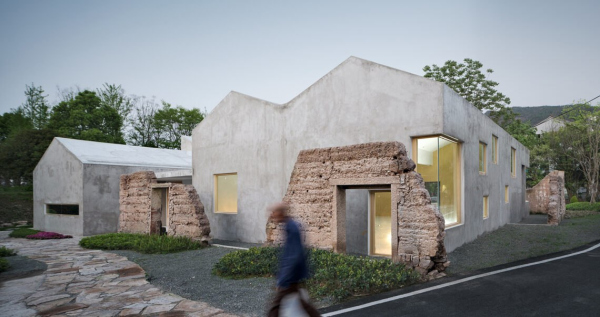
x: 81, y: 282
x: 548, y: 197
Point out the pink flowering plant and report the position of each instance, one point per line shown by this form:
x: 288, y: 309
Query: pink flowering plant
x: 44, y: 235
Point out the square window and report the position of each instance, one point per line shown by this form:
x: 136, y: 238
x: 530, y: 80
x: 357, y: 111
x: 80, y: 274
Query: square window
x: 226, y: 193
x: 482, y: 158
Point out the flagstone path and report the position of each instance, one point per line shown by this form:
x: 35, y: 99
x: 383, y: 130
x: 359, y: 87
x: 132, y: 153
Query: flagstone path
x: 81, y: 282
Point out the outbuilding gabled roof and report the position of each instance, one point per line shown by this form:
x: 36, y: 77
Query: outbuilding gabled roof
x: 89, y: 152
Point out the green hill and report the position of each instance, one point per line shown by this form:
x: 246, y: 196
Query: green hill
x: 534, y: 115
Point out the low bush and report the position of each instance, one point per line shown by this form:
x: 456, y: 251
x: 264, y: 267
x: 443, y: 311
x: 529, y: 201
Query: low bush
x: 4, y: 251
x: 4, y: 265
x: 574, y: 200
x: 334, y: 275
x: 584, y: 206
x: 140, y: 242
x: 22, y: 232
x: 571, y: 214
x: 45, y: 235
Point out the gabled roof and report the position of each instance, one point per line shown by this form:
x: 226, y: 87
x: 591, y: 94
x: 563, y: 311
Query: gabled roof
x: 543, y: 121
x: 89, y: 152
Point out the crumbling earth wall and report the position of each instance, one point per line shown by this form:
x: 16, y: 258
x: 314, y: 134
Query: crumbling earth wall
x: 139, y: 212
x: 310, y: 196
x: 548, y: 197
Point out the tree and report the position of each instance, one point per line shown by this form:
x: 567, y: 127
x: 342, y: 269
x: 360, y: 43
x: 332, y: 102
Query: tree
x: 170, y: 123
x: 468, y: 80
x: 114, y: 96
x: 143, y: 131
x: 86, y: 118
x: 13, y: 122
x: 579, y: 139
x: 20, y: 153
x: 36, y: 107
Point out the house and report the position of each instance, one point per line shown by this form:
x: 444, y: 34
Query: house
x: 76, y: 183
x: 247, y: 153
x: 548, y: 125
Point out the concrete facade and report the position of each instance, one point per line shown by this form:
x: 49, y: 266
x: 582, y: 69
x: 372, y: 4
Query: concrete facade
x: 548, y: 125
x: 357, y: 102
x: 87, y: 174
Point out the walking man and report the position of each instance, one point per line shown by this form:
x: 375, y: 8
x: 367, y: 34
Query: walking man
x: 292, y: 263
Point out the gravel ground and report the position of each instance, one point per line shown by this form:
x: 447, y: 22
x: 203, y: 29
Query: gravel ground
x: 188, y: 274
x: 21, y: 267
x: 515, y: 242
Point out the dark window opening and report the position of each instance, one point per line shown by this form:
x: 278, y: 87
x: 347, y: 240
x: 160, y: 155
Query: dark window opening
x: 63, y: 209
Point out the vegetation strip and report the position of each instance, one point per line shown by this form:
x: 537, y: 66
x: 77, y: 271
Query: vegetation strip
x: 143, y: 243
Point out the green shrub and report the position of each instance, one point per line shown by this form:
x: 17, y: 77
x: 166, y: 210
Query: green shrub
x: 332, y: 275
x: 4, y: 251
x: 22, y: 232
x: 574, y: 200
x: 139, y: 242
x: 584, y: 206
x: 4, y: 265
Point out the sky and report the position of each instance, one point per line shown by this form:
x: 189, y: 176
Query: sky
x: 193, y: 53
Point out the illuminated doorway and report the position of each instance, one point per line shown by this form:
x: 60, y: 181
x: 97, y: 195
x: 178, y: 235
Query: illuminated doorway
x: 381, y: 223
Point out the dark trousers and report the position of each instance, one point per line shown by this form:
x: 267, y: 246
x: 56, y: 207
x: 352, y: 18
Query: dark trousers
x: 294, y: 288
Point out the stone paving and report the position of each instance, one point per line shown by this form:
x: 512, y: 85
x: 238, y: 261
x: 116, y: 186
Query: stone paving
x: 81, y: 282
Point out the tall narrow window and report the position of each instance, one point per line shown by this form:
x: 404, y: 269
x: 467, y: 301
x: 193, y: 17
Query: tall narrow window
x: 226, y: 189
x: 506, y: 194
x: 494, y: 149
x: 486, y: 206
x: 513, y: 162
x: 438, y: 162
x: 482, y: 158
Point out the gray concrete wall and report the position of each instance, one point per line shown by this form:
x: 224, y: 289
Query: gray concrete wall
x: 469, y: 125
x: 58, y: 179
x: 101, y: 196
x: 261, y: 140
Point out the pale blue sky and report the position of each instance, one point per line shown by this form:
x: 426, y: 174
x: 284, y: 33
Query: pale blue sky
x: 192, y: 53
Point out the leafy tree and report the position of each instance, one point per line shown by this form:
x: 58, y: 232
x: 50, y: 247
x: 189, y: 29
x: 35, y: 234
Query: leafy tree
x: 170, y: 123
x: 85, y: 117
x: 36, y: 107
x: 143, y: 131
x: 20, y: 153
x: 114, y: 96
x: 469, y: 81
x: 13, y: 122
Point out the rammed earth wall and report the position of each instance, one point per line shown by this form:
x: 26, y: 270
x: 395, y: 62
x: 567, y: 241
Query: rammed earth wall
x: 316, y: 196
x: 548, y: 197
x: 140, y: 207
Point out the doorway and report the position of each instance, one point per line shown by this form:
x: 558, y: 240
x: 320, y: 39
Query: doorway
x: 380, y: 223
x: 159, y: 215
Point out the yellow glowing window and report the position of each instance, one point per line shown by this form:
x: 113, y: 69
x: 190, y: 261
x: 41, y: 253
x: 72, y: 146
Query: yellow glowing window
x: 482, y: 158
x: 494, y: 149
x: 486, y: 213
x: 226, y: 192
x: 513, y: 162
x: 506, y: 194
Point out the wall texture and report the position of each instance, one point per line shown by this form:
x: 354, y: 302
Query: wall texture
x: 548, y: 197
x: 186, y: 215
x: 310, y: 195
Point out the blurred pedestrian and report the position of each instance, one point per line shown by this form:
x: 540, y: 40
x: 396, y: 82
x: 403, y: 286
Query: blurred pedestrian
x: 292, y: 264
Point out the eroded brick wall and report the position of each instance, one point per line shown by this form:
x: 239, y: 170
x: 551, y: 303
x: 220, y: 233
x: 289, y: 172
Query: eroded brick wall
x: 310, y: 196
x: 185, y: 210
x: 548, y: 197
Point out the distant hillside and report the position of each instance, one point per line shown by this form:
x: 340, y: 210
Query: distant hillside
x: 534, y: 115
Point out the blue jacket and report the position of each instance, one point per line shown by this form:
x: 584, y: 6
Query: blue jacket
x: 292, y: 261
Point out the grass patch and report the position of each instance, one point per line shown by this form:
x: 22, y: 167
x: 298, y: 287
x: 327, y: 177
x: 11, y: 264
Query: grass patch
x: 17, y: 204
x: 16, y: 227
x: 22, y: 232
x: 337, y: 276
x: 142, y: 243
x: 4, y: 265
x: 570, y: 214
x: 4, y: 251
x: 583, y: 206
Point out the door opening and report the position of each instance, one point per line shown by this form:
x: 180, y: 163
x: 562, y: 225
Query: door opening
x: 381, y: 223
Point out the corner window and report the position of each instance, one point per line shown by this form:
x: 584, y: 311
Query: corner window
x: 486, y: 213
x: 482, y: 158
x: 226, y: 193
x: 72, y: 210
x: 513, y: 162
x: 494, y: 149
x: 438, y: 162
x: 506, y: 194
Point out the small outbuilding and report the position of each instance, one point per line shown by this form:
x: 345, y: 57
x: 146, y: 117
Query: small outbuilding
x: 76, y: 183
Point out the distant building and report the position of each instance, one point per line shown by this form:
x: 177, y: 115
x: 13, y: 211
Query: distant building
x: 549, y: 124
